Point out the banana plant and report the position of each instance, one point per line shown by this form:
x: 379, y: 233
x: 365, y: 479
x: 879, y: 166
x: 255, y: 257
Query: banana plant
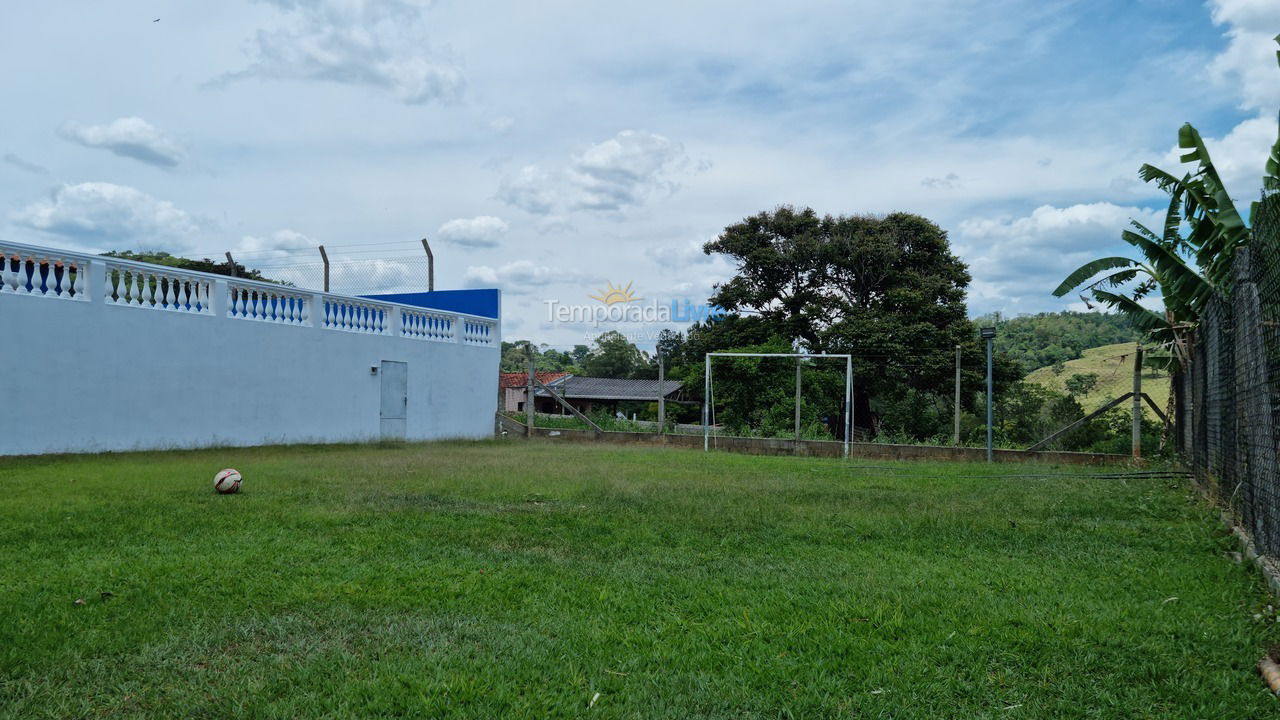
x: 1161, y: 266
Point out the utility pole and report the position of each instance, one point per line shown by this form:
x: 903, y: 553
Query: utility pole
x: 989, y: 335
x: 1137, y: 403
x: 662, y: 394
x: 324, y: 257
x: 232, y: 263
x: 528, y: 401
x: 956, y: 439
x: 431, y: 267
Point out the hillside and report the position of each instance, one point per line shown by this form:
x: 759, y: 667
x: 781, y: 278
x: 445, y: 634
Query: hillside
x: 1043, y: 339
x: 1113, y: 364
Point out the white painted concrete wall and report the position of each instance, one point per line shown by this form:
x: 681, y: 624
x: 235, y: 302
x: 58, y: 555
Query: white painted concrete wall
x: 101, y: 369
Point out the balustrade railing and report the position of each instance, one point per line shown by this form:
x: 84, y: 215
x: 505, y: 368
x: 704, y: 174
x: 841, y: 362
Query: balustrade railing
x: 41, y: 272
x: 157, y: 288
x: 46, y: 273
x: 427, y: 325
x: 268, y: 304
x: 359, y: 316
x: 475, y: 332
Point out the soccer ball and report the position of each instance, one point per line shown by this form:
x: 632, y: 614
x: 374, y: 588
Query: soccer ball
x: 227, y: 481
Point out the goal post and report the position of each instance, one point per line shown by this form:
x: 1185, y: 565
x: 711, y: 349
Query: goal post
x: 707, y: 398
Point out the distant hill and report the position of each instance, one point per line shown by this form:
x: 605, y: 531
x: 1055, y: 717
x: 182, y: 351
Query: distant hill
x: 1043, y: 339
x: 1113, y: 364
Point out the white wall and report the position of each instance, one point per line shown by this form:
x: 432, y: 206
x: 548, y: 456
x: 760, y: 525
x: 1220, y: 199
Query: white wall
x: 90, y: 373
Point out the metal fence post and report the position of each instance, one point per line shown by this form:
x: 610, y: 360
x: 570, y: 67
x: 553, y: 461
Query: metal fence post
x: 956, y: 438
x: 324, y: 257
x: 989, y: 334
x: 1137, y: 402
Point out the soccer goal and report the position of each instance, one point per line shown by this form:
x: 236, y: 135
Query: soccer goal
x: 708, y: 402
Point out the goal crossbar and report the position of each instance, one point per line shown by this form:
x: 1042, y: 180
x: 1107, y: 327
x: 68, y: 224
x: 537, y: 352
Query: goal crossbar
x: 848, y: 390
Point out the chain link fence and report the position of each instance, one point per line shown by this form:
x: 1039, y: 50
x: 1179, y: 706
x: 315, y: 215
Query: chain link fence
x: 1229, y: 394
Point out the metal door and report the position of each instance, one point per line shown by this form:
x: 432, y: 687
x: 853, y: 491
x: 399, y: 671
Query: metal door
x: 395, y: 398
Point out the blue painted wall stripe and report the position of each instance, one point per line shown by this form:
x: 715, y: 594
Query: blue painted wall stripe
x: 482, y: 302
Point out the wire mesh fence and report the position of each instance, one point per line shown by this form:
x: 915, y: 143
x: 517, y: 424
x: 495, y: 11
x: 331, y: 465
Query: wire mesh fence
x: 353, y: 276
x: 1229, y: 409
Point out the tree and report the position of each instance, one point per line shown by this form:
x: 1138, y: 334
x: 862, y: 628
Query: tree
x: 1081, y: 384
x: 545, y: 358
x: 1059, y: 367
x: 614, y: 356
x: 886, y: 289
x: 203, y: 265
x: 782, y: 274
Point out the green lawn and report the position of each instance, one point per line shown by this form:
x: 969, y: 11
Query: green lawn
x: 498, y: 580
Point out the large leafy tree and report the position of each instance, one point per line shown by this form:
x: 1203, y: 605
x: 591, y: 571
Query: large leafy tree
x: 614, y: 356
x: 885, y: 289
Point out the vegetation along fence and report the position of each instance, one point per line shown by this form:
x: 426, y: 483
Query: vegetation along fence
x: 1229, y: 393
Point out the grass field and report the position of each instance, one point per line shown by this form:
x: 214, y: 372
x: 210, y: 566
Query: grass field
x: 1113, y: 364
x: 497, y: 580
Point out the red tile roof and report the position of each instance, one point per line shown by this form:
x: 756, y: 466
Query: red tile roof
x: 514, y: 380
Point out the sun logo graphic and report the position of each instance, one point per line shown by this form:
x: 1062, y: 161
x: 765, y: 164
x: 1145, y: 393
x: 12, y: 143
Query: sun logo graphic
x: 612, y: 295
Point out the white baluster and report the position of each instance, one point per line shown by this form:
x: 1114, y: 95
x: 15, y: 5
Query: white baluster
x: 8, y: 276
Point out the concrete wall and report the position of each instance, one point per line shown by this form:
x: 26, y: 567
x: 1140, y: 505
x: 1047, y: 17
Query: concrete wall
x: 109, y: 363
x: 819, y: 448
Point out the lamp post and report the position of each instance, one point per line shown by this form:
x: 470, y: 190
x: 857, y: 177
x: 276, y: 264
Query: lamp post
x: 989, y: 334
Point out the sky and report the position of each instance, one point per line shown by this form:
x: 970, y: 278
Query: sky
x: 554, y: 148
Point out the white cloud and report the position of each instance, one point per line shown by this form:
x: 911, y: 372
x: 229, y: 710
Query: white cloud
x: 530, y: 189
x: 517, y: 277
x: 130, y: 137
x: 478, y: 232
x: 96, y: 214
x: 677, y: 257
x: 1248, y: 66
x: 623, y: 171
x: 502, y: 124
x: 1249, y: 61
x: 1017, y: 261
x: 375, y: 43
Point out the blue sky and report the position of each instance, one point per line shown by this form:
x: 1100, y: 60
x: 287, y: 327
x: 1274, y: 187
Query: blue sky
x: 549, y: 148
